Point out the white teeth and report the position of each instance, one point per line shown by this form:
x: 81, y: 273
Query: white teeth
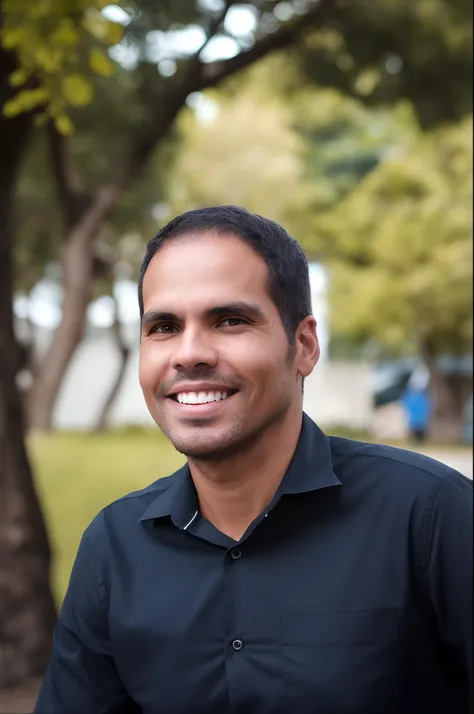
x: 200, y: 397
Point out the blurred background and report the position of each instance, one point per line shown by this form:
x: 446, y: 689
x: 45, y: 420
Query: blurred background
x: 347, y: 121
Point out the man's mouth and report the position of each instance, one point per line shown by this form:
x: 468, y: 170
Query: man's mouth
x: 197, y: 398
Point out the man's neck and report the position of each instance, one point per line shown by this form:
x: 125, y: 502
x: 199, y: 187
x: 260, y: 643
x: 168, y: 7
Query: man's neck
x: 233, y: 492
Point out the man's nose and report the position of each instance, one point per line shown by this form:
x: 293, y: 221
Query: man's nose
x: 194, y: 348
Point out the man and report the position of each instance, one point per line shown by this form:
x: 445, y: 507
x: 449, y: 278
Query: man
x: 416, y: 403
x: 278, y: 571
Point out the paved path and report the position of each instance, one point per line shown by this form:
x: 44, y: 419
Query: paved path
x: 461, y: 459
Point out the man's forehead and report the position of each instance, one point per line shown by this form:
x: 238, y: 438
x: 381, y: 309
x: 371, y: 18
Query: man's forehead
x: 219, y: 275
x: 185, y: 298
x: 202, y: 250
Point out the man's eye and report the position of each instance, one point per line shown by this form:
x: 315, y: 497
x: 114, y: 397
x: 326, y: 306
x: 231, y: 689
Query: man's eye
x: 233, y: 321
x: 164, y: 329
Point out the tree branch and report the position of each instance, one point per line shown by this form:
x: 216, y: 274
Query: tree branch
x: 194, y: 76
x: 215, y: 72
x: 197, y: 76
x: 215, y: 25
x: 124, y: 352
x: 72, y: 199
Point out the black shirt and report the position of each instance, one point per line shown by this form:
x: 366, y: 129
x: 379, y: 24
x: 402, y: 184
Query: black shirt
x: 351, y: 593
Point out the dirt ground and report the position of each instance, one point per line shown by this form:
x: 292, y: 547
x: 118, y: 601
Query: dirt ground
x: 459, y: 459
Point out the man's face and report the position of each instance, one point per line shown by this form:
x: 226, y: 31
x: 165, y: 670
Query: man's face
x: 211, y: 334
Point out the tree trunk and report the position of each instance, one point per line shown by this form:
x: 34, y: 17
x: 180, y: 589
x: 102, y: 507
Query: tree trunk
x: 27, y: 612
x: 125, y: 352
x: 77, y: 278
x: 447, y: 419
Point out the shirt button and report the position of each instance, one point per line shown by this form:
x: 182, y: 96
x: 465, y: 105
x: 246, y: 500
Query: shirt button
x: 237, y: 645
x: 235, y: 553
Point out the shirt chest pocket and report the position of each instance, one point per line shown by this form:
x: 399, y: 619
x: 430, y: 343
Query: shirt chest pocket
x: 340, y: 661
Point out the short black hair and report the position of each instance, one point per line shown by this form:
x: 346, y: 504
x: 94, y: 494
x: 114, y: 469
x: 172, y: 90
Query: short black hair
x: 288, y: 274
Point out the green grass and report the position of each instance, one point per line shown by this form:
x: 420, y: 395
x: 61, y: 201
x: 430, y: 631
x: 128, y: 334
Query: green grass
x: 78, y: 474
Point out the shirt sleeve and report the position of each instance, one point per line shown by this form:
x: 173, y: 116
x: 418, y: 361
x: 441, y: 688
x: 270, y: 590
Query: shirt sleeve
x: 81, y: 675
x: 450, y: 569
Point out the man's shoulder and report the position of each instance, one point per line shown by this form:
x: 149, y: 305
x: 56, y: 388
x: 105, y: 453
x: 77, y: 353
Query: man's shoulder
x: 389, y: 465
x: 147, y: 494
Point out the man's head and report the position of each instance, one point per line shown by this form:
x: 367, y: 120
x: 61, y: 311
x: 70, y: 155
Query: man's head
x: 225, y: 305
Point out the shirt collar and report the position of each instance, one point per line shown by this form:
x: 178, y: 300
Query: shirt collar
x: 178, y: 500
x: 311, y: 466
x: 310, y: 469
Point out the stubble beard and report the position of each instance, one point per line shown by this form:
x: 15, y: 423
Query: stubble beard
x: 235, y: 440
x: 232, y: 442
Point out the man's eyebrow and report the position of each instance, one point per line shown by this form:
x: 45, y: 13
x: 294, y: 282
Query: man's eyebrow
x: 151, y: 317
x: 237, y: 308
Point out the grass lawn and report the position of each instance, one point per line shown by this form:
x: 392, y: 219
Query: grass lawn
x: 78, y: 474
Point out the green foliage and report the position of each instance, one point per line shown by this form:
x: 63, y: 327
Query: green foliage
x: 57, y: 44
x: 290, y: 161
x: 400, y: 247
x: 246, y: 154
x: 100, y: 63
x: 344, y: 141
x: 76, y: 90
x: 382, y: 51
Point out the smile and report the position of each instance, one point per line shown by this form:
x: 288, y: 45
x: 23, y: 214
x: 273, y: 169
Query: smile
x: 200, y: 397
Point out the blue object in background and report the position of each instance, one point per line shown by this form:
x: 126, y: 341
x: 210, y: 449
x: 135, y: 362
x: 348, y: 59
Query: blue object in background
x: 417, y: 405
x: 468, y: 421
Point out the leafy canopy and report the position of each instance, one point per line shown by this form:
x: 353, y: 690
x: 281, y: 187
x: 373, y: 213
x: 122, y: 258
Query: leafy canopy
x: 400, y: 247
x: 58, y: 44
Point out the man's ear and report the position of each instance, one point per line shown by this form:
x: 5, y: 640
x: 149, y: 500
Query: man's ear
x: 307, y: 346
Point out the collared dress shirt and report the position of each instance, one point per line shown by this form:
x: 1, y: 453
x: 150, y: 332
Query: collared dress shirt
x: 350, y: 594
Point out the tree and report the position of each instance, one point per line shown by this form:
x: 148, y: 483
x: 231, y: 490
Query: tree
x: 52, y: 42
x: 25, y: 622
x: 245, y: 154
x: 26, y: 604
x: 117, y: 248
x: 124, y: 351
x: 400, y: 251
x: 119, y: 259
x: 290, y: 161
x: 382, y: 51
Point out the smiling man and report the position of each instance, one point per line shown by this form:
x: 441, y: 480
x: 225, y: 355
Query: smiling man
x: 280, y: 570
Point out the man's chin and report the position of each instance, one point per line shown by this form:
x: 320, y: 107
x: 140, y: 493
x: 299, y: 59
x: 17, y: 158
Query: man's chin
x: 206, y: 447
x: 201, y: 451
